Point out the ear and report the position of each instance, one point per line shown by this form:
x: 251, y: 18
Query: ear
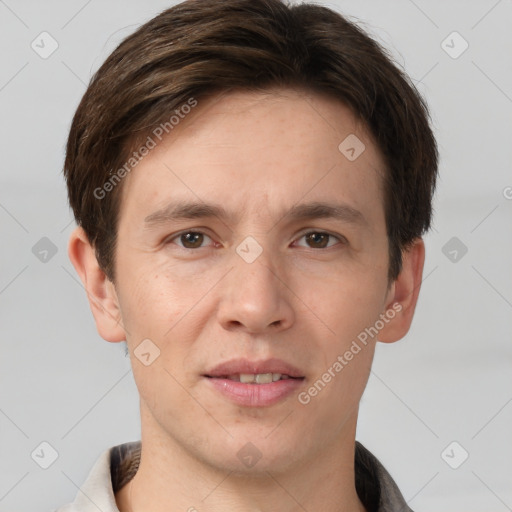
x: 100, y: 290
x: 403, y: 294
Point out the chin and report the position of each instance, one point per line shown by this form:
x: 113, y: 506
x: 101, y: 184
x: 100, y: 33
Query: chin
x: 256, y: 455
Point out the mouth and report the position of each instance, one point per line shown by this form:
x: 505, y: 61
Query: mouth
x: 255, y: 378
x: 269, y: 370
x: 254, y: 383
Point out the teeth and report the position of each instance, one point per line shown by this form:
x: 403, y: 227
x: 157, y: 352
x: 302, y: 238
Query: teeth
x: 263, y: 378
x: 259, y: 378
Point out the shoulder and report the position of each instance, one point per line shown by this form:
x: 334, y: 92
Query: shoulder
x: 116, y: 466
x: 375, y: 486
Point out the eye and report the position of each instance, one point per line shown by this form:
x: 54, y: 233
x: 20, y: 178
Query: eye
x: 313, y: 239
x: 319, y: 240
x: 190, y: 239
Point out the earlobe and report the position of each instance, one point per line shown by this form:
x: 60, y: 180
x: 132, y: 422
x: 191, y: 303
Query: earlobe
x: 404, y: 292
x: 100, y: 290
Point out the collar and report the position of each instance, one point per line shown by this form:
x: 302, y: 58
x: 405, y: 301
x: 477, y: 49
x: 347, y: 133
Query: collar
x: 118, y: 465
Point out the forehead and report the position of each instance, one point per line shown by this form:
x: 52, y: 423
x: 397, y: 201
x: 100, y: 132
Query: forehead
x: 260, y: 148
x: 275, y: 119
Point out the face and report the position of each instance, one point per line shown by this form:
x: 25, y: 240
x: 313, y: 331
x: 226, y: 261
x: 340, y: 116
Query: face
x: 248, y: 234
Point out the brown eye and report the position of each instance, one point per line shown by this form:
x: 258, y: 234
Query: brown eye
x: 319, y: 240
x: 191, y: 239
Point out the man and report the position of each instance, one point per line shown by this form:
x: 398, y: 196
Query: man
x: 251, y: 182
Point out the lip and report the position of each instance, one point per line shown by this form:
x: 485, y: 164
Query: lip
x: 254, y: 395
x: 235, y: 366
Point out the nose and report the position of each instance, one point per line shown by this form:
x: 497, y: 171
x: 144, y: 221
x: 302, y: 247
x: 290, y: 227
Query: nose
x: 256, y: 297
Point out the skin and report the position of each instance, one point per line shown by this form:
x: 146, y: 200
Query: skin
x: 305, y: 302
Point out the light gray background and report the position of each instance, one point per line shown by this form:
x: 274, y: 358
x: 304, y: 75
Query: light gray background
x: 449, y: 380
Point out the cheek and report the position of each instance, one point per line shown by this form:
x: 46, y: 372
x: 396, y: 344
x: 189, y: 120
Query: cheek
x: 348, y: 302
x: 152, y: 298
x: 142, y: 299
x: 344, y: 313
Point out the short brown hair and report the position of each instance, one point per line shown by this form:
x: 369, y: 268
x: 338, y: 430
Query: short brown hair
x: 203, y: 46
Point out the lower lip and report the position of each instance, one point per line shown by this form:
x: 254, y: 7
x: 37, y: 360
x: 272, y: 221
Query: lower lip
x: 255, y: 395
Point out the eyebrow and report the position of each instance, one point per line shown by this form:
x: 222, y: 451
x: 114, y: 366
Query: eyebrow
x: 184, y: 210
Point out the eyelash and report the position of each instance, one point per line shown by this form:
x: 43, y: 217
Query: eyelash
x: 340, y: 238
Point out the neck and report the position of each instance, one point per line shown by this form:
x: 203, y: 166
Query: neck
x: 170, y: 478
